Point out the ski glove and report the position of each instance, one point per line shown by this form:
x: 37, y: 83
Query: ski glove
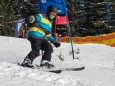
x: 57, y: 44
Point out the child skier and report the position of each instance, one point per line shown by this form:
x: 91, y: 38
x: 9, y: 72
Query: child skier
x: 39, y: 31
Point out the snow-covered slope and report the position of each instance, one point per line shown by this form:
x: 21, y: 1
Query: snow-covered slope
x: 98, y: 59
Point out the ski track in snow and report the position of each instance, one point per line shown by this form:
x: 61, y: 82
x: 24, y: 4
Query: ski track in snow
x: 16, y: 74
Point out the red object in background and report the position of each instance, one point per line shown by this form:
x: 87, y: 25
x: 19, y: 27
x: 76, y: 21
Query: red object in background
x: 61, y: 20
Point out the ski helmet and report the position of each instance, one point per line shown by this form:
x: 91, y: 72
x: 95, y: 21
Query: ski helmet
x: 52, y: 9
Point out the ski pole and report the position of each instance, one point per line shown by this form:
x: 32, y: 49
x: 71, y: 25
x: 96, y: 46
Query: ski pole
x: 70, y: 34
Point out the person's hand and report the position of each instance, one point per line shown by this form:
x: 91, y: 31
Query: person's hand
x: 57, y: 44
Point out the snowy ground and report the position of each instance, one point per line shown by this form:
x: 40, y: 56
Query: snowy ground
x: 98, y: 59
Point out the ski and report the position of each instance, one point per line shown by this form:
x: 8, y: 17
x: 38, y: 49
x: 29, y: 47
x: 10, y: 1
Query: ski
x: 49, y: 70
x: 46, y: 70
x: 57, y: 71
x: 66, y: 69
x: 73, y: 69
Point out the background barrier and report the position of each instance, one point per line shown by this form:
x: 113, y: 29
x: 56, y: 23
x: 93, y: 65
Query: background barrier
x: 108, y: 39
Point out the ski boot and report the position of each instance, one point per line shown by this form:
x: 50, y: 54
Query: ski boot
x: 27, y: 63
x: 46, y: 65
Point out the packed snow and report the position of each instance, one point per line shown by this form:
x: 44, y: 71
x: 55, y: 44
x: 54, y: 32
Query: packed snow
x: 98, y: 59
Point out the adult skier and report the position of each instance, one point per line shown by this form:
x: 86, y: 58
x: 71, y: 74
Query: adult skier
x: 39, y: 35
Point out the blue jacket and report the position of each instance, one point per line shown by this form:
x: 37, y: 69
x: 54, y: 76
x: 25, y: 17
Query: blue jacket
x: 42, y: 28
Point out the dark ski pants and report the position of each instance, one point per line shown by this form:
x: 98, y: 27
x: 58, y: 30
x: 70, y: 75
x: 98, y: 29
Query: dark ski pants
x: 36, y: 45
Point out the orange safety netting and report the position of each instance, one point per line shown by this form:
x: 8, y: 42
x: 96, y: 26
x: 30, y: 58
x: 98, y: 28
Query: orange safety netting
x: 108, y: 39
x: 5, y: 22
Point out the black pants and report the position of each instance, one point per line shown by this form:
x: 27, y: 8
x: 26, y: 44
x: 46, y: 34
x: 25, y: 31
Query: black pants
x: 36, y: 45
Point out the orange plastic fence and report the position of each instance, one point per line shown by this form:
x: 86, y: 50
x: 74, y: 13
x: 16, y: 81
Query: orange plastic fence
x: 108, y: 39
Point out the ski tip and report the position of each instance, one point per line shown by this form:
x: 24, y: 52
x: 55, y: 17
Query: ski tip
x: 82, y: 68
x: 75, y: 69
x: 19, y: 64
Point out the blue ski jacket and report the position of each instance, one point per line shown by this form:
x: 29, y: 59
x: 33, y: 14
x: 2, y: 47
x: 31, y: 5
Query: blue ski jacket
x: 42, y: 28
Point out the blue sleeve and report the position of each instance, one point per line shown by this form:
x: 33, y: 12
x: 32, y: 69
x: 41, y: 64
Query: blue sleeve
x: 51, y: 38
x: 38, y: 17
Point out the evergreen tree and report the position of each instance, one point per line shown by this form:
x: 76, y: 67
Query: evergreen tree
x: 7, y: 13
x: 72, y: 15
x: 91, y: 17
x: 87, y: 17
